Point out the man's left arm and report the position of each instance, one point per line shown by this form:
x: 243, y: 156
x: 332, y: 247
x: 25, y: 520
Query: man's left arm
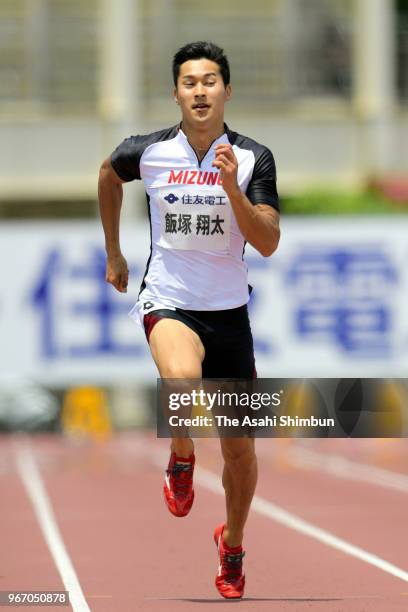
x: 259, y: 223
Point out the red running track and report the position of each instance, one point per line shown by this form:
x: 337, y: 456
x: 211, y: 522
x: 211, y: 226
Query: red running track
x: 128, y: 553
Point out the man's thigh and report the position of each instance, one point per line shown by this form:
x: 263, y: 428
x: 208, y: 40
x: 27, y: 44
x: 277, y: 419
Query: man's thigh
x: 176, y: 349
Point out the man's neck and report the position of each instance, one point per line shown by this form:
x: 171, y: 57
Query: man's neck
x: 202, y: 139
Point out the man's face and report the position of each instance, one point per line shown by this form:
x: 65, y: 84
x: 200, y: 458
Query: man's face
x: 200, y: 92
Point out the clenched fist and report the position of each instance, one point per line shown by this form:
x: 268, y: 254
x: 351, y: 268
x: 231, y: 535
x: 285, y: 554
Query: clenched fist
x: 117, y: 273
x: 227, y: 163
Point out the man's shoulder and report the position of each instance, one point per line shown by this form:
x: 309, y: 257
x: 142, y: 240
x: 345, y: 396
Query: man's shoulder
x: 126, y: 158
x: 145, y: 140
x: 241, y: 140
x: 246, y: 142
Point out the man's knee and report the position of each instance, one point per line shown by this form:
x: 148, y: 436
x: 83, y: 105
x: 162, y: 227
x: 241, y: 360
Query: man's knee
x: 238, y: 452
x: 175, y: 368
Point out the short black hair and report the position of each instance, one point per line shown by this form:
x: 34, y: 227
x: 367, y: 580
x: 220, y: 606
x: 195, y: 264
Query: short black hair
x: 199, y: 50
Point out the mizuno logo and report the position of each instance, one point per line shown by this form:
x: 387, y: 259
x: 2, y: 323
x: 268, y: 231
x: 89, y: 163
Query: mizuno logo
x: 194, y: 177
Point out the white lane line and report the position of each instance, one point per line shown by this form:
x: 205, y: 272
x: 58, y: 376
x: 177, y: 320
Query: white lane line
x: 339, y: 466
x: 35, y: 489
x: 212, y: 482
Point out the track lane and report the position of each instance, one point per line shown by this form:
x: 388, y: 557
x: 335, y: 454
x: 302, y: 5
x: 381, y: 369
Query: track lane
x: 362, y: 513
x: 26, y: 563
x: 130, y: 554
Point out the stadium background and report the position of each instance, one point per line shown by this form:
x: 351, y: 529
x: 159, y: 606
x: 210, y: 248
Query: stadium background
x: 323, y: 83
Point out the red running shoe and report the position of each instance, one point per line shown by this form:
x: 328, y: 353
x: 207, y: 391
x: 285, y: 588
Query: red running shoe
x: 178, y: 484
x: 230, y: 580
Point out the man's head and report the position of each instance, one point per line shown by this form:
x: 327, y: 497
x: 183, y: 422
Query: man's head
x: 201, y: 76
x: 200, y: 50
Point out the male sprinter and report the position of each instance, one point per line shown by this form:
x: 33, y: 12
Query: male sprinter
x: 209, y: 190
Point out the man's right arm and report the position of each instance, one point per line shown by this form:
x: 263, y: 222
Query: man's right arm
x: 110, y: 194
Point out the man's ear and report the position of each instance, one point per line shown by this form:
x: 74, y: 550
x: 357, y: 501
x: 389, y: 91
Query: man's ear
x: 175, y: 95
x: 228, y: 92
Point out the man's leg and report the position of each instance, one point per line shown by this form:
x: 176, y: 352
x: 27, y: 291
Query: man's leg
x: 178, y: 353
x: 239, y: 480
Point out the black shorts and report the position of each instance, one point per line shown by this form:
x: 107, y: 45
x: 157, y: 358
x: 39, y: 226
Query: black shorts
x: 226, y: 336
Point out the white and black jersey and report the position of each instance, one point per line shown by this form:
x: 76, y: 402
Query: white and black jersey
x: 196, y: 260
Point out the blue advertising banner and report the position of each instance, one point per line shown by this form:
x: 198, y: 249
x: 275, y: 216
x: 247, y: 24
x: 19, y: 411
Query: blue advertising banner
x: 330, y: 302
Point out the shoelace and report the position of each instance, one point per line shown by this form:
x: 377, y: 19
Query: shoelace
x: 181, y: 484
x: 232, y: 563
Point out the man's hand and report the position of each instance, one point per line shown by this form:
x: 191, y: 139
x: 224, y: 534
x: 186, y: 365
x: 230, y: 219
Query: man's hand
x: 117, y: 272
x: 226, y: 161
x: 259, y: 224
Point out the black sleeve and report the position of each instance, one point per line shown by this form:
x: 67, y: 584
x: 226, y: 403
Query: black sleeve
x: 125, y: 159
x: 262, y: 186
